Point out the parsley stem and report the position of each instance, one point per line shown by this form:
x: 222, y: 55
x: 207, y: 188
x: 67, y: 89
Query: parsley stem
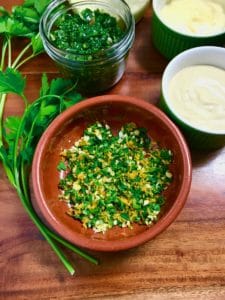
x: 7, y: 169
x: 73, y: 248
x: 5, y: 164
x: 40, y: 226
x: 2, y: 105
x: 24, y: 100
x: 48, y: 96
x: 15, y: 149
x: 22, y: 190
x: 19, y: 179
x: 65, y: 243
x: 25, y: 189
x: 14, y: 65
x: 4, y: 48
x: 9, y: 52
x: 25, y: 60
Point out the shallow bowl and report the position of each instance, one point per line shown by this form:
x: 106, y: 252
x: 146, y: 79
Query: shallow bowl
x: 68, y: 127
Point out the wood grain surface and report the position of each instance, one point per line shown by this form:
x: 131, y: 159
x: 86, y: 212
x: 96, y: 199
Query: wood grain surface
x: 187, y: 261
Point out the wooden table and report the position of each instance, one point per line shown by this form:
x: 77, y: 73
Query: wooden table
x: 187, y: 261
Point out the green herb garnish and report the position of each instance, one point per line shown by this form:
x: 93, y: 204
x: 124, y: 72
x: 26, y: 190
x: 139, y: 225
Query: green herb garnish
x: 19, y: 135
x: 86, y: 33
x: 115, y: 180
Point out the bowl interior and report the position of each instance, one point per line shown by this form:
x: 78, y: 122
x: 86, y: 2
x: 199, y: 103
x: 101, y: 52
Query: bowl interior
x: 66, y: 129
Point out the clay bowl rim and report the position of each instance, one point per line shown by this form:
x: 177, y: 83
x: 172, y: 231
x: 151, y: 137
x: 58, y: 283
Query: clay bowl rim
x: 130, y: 242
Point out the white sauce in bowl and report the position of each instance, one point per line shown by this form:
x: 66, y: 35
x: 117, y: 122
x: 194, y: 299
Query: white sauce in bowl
x: 197, y: 95
x: 194, y: 17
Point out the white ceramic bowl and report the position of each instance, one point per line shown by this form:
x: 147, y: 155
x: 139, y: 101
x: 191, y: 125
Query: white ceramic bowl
x: 208, y: 55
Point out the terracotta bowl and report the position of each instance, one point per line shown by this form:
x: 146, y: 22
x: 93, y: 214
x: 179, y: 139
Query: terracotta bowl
x: 67, y: 128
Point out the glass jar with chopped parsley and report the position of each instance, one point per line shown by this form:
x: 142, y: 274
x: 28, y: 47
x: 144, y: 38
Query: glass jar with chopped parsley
x: 89, y: 40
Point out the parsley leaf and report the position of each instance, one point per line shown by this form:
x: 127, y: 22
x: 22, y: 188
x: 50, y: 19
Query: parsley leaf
x: 61, y: 166
x: 12, y: 122
x: 71, y: 99
x: 59, y: 86
x: 26, y: 14
x: 11, y: 126
x: 11, y: 81
x: 3, y: 11
x: 28, y: 3
x: 41, y: 5
x: 44, y: 85
x: 13, y: 27
x: 37, y: 44
x: 37, y: 116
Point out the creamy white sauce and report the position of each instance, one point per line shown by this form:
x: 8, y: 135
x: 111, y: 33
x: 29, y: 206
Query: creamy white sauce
x: 197, y: 94
x: 194, y: 17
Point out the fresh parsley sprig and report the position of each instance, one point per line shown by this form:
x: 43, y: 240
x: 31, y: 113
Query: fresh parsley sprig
x: 19, y: 135
x: 22, y: 21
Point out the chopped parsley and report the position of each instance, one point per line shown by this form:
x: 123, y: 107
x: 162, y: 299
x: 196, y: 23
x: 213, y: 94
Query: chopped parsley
x: 115, y: 180
x: 86, y: 33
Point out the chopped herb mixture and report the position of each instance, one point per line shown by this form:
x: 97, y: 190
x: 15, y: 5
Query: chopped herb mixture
x: 114, y: 180
x: 87, y: 33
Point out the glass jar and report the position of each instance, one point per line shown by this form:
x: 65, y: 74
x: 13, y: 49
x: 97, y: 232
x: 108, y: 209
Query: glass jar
x: 106, y: 69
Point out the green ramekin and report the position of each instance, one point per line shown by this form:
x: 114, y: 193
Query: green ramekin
x: 197, y: 138
x: 170, y: 42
